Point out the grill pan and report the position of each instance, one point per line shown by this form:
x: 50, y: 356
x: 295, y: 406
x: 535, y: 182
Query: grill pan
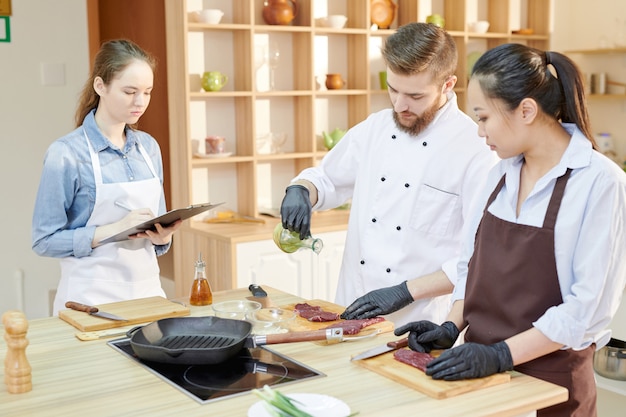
x: 208, y: 340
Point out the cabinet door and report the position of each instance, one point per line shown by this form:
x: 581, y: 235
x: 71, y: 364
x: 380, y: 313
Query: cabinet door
x: 327, y: 265
x: 262, y: 263
x: 302, y: 273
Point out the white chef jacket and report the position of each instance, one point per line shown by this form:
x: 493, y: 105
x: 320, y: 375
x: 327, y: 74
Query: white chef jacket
x: 410, y: 195
x: 590, y: 238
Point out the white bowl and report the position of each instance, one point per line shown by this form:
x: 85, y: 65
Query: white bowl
x: 210, y: 16
x: 336, y: 21
x: 236, y: 309
x: 479, y: 27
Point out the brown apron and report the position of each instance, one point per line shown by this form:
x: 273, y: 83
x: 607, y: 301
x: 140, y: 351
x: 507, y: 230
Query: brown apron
x: 512, y: 280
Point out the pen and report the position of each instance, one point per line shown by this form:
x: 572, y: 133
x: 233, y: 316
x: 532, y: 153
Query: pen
x: 122, y: 205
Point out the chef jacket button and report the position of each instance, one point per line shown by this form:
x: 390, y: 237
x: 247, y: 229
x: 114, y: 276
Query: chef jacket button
x: 398, y: 228
x: 383, y: 178
x: 124, y: 157
x: 388, y: 269
x: 424, y: 143
x: 132, y: 178
x: 393, y: 136
x: 362, y: 262
x: 374, y: 220
x: 406, y: 185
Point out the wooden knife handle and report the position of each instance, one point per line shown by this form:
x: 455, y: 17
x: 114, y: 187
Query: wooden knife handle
x: 397, y: 344
x: 81, y: 307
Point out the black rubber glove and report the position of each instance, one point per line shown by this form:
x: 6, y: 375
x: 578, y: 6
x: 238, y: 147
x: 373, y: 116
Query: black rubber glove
x: 295, y: 210
x: 425, y: 335
x: 377, y: 302
x: 471, y: 360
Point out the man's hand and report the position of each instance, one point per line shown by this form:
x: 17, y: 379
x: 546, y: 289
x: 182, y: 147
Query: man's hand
x: 295, y: 210
x: 425, y: 335
x: 377, y: 302
x: 471, y: 360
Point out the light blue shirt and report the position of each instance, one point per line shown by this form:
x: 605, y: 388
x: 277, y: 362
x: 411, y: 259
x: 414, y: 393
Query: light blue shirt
x: 589, y: 238
x: 67, y: 190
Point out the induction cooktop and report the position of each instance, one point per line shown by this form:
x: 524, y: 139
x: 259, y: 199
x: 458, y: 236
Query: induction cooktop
x: 249, y: 369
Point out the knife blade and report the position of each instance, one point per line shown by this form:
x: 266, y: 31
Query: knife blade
x: 259, y: 295
x: 93, y: 311
x: 379, y: 350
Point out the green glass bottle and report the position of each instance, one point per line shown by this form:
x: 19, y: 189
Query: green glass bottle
x: 290, y: 242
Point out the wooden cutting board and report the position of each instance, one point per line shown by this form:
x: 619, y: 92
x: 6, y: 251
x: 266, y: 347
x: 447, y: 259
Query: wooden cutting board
x: 416, y: 379
x: 141, y: 310
x: 302, y: 324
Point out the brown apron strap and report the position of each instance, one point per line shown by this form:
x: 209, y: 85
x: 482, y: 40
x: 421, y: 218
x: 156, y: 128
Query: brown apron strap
x: 555, y: 202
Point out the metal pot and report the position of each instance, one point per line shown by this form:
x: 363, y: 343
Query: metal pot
x: 610, y: 360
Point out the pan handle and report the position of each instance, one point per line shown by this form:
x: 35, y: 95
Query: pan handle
x: 331, y: 335
x: 132, y: 331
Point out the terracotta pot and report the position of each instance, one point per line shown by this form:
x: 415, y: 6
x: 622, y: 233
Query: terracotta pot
x: 279, y: 12
x: 382, y: 13
x: 334, y: 81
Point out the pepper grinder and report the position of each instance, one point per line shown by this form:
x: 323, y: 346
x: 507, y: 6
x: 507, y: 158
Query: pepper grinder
x: 17, y: 370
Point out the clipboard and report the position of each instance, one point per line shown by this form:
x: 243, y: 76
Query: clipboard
x: 165, y: 220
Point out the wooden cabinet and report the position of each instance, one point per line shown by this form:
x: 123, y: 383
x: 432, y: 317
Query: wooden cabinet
x: 248, y: 112
x: 303, y: 272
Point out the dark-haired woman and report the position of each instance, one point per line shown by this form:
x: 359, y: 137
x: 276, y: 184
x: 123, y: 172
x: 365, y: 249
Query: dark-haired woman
x: 543, y: 268
x: 101, y: 179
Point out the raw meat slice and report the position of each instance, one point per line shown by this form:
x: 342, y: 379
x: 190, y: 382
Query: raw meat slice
x: 315, y: 313
x: 352, y: 327
x: 418, y: 360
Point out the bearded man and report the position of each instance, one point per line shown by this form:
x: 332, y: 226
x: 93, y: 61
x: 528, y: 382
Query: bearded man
x: 411, y: 171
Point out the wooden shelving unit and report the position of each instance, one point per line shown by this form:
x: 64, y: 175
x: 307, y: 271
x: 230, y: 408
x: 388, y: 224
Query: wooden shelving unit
x: 300, y: 106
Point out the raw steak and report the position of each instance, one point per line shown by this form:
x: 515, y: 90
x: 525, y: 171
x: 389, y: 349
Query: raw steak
x: 352, y: 327
x: 417, y: 359
x: 315, y: 313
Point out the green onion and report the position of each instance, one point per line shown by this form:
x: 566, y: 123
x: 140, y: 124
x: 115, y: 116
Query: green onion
x: 279, y: 405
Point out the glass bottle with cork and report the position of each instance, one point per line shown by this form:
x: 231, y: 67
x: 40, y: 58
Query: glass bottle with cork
x: 201, y: 294
x: 290, y: 242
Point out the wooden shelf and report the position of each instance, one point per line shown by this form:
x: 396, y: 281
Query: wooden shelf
x: 600, y: 51
x: 301, y: 106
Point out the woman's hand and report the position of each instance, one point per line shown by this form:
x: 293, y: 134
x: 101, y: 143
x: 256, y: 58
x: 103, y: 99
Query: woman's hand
x: 162, y: 235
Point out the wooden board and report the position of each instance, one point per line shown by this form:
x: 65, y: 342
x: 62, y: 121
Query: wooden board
x: 137, y: 311
x: 302, y: 324
x: 416, y: 379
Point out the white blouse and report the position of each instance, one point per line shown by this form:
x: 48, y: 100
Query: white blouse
x: 590, y: 238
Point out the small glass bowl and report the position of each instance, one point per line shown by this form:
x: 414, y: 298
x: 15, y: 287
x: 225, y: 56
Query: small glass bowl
x: 236, y: 309
x: 271, y: 320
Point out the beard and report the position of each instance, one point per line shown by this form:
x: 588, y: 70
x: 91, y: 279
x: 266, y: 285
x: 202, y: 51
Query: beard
x: 421, y: 122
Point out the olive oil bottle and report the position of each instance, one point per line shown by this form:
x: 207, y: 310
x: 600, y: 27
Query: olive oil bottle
x: 290, y: 242
x: 201, y: 294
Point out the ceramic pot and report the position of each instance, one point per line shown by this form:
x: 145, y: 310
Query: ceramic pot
x: 213, y: 80
x: 382, y: 13
x: 279, y: 12
x: 334, y: 81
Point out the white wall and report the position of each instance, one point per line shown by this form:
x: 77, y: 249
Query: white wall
x: 31, y: 117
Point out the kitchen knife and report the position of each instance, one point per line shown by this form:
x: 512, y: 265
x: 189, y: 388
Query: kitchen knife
x: 379, y: 350
x: 91, y: 310
x: 259, y: 295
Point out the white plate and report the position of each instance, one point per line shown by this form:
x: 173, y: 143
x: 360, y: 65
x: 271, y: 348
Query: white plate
x: 318, y: 405
x: 213, y: 155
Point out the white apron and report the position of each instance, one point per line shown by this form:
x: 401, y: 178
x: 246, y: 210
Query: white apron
x: 114, y: 271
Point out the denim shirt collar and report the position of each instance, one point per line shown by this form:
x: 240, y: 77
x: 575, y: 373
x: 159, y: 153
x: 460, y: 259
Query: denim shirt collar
x: 99, y: 141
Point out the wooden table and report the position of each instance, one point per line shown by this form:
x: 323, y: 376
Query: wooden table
x: 77, y: 378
